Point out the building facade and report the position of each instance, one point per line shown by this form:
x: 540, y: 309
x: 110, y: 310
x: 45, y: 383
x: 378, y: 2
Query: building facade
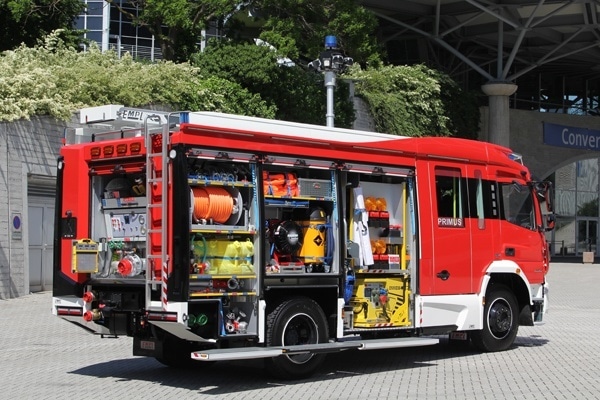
x: 105, y: 25
x: 565, y: 149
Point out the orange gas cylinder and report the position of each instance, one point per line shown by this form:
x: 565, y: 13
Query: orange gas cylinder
x: 313, y: 246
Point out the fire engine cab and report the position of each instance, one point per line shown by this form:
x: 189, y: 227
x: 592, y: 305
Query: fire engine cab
x: 207, y: 237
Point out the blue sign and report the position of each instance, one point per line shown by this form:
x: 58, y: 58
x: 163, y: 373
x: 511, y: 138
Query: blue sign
x: 17, y: 222
x: 16, y: 231
x: 572, y: 137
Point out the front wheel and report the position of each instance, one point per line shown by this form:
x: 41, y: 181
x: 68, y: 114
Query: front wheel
x: 500, y: 321
x: 296, y: 321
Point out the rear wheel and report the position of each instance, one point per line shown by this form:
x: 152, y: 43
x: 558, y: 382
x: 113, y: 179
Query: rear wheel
x: 295, y: 322
x: 500, y: 321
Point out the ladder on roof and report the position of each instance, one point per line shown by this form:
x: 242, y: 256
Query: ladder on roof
x: 157, y: 182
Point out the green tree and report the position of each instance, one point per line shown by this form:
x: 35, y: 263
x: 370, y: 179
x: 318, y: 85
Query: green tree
x: 461, y: 108
x: 297, y: 28
x: 27, y: 21
x: 297, y: 95
x: 53, y: 79
x: 416, y: 101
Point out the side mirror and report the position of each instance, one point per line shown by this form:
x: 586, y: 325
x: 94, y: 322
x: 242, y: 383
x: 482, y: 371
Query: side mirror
x: 544, y: 191
x: 550, y: 222
x: 549, y: 197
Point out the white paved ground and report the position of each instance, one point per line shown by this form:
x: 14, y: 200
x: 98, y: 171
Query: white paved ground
x: 43, y: 357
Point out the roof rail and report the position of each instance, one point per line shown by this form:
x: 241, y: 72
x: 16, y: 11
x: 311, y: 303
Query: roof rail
x: 115, y: 121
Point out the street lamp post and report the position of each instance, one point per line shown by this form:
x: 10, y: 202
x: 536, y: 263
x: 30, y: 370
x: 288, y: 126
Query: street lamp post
x: 330, y: 87
x: 330, y: 62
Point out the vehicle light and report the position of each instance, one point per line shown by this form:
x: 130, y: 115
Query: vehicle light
x: 121, y: 149
x: 93, y: 315
x: 88, y: 297
x: 135, y: 147
x: 108, y: 150
x: 157, y: 316
x: 95, y: 151
x: 70, y: 311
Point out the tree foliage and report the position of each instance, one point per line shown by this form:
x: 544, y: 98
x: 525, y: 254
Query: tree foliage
x: 298, y: 95
x: 231, y: 76
x: 416, y: 101
x: 26, y: 21
x: 297, y: 28
x: 462, y: 108
x: 53, y: 79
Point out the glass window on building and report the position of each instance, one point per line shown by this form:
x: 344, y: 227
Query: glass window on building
x: 577, y: 208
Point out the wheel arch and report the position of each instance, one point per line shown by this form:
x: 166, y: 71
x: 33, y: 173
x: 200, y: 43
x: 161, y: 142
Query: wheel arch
x: 326, y: 299
x: 510, y: 275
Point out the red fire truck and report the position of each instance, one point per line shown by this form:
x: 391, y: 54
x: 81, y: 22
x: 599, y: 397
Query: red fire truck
x: 207, y: 237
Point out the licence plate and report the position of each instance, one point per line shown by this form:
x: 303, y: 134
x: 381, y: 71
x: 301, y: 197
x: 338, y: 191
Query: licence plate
x: 458, y: 335
x: 147, y: 345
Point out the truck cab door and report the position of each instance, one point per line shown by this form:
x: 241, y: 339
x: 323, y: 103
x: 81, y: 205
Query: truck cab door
x: 450, y: 230
x: 521, y: 233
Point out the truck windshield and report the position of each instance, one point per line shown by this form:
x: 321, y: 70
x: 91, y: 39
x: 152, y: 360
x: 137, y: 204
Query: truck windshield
x: 517, y: 205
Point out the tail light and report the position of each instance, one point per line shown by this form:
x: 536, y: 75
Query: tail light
x: 69, y: 311
x: 89, y: 297
x: 93, y: 315
x: 162, y: 316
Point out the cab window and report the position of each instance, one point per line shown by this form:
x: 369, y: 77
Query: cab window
x: 451, y: 195
x: 517, y: 205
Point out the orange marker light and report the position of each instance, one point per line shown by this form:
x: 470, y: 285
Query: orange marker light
x: 121, y: 149
x: 135, y: 147
x: 95, y: 151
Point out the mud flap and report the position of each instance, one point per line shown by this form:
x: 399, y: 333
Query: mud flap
x: 148, y: 347
x: 180, y: 331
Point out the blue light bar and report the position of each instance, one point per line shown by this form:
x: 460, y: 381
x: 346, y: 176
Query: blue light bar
x: 330, y: 42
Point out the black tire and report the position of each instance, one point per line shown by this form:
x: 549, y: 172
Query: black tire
x: 500, y: 321
x: 293, y: 322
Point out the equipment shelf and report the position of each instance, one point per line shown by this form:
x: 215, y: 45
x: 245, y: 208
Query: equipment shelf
x: 221, y: 276
x: 221, y: 294
x: 127, y: 239
x: 195, y: 181
x: 222, y: 230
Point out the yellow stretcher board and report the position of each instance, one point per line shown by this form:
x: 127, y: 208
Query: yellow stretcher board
x: 85, y: 256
